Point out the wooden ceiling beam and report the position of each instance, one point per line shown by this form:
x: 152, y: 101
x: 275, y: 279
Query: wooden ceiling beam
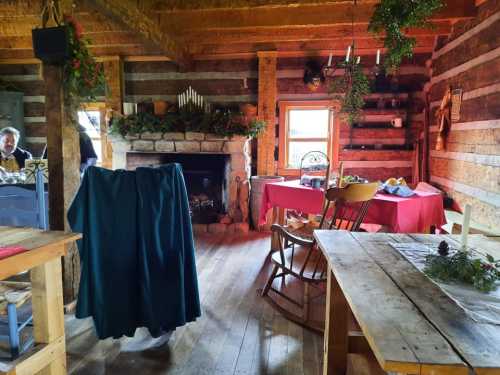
x: 286, y: 34
x: 128, y: 14
x: 339, y: 44
x: 96, y: 50
x: 97, y: 38
x: 171, y: 5
x: 304, y: 15
x: 299, y: 53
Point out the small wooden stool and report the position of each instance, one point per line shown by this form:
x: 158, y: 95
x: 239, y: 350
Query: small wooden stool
x: 13, y: 298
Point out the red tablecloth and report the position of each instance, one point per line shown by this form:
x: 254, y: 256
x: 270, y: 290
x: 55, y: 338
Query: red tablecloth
x: 402, y: 215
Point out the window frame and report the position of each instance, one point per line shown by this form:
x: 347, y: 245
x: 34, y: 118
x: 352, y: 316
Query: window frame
x: 332, y: 138
x: 101, y: 108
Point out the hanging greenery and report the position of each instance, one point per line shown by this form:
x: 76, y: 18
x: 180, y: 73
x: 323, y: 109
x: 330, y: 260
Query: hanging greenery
x: 84, y: 77
x: 218, y: 122
x: 391, y: 18
x: 350, y: 89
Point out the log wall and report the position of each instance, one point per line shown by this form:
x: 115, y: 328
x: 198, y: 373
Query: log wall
x: 229, y: 82
x: 28, y: 79
x: 469, y: 169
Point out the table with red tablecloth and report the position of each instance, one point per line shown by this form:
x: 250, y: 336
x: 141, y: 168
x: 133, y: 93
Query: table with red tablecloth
x: 415, y: 214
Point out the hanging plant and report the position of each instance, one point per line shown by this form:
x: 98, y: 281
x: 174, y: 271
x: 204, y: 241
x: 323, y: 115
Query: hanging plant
x: 84, y: 77
x: 350, y: 89
x: 391, y: 18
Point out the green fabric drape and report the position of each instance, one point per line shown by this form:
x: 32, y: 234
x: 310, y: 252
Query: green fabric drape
x: 137, y: 252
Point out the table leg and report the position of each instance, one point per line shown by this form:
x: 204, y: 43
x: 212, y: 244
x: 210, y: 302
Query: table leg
x: 48, y: 314
x: 336, y: 329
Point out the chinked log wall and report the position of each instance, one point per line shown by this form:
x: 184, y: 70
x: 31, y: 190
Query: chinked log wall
x: 469, y: 168
x: 373, y: 164
x: 28, y: 79
x: 230, y: 82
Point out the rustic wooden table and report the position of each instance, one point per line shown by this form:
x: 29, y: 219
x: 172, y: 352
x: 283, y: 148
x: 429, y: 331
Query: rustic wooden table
x: 410, y: 324
x: 43, y: 258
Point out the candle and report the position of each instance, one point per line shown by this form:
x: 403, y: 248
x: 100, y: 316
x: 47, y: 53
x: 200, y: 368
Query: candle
x: 465, y: 226
x: 378, y: 56
x: 341, y: 174
x: 330, y: 59
x: 358, y: 60
x: 348, y: 54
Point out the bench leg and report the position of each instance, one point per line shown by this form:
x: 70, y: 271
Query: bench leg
x: 13, y: 330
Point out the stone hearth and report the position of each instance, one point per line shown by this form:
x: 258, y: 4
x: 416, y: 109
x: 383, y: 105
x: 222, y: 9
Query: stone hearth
x: 236, y: 147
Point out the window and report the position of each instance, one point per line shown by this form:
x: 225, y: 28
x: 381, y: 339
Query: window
x: 91, y: 121
x: 304, y: 127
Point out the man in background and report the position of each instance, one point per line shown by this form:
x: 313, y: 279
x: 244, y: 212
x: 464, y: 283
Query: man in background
x: 12, y: 158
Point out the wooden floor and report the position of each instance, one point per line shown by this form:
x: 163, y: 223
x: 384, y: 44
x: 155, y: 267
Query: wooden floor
x: 238, y: 333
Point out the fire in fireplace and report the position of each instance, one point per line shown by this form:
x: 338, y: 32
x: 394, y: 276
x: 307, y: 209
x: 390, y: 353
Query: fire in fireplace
x: 206, y: 177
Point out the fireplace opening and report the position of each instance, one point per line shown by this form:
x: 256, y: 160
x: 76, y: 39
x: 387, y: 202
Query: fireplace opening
x: 206, y: 177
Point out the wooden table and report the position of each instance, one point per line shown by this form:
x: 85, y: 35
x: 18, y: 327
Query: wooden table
x: 411, y: 326
x: 414, y: 214
x: 43, y: 258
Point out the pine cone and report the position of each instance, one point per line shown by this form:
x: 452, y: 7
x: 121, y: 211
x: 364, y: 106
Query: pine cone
x: 443, y: 248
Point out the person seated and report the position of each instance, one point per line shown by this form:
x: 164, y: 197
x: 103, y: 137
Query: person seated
x: 12, y: 158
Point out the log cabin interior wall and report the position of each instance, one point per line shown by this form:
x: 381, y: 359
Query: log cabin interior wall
x: 469, y: 168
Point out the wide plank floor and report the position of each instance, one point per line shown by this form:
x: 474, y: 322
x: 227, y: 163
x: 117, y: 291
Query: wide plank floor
x: 238, y: 333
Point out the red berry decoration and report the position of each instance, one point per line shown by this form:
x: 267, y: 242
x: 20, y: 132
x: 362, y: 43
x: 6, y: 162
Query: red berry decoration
x: 443, y: 248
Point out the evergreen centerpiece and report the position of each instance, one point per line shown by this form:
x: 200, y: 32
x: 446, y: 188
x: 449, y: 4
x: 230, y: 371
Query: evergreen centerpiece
x: 483, y: 274
x: 392, y: 18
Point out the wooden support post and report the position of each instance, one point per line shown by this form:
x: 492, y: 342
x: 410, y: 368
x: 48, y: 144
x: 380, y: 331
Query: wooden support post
x: 113, y: 69
x: 48, y: 314
x: 267, y: 112
x: 336, y: 329
x: 63, y: 151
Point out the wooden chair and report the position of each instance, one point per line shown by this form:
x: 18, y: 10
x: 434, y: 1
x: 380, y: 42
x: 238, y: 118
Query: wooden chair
x: 15, y: 315
x: 299, y: 257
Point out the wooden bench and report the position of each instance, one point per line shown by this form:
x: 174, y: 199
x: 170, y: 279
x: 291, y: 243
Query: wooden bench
x: 455, y: 219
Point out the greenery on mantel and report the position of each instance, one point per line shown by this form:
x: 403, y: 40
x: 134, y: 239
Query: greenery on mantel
x: 390, y: 20
x: 350, y: 89
x: 463, y: 267
x: 218, y: 122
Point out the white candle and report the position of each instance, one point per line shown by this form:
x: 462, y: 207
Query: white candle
x: 330, y: 59
x: 378, y: 56
x: 348, y: 54
x: 465, y: 225
x: 358, y: 60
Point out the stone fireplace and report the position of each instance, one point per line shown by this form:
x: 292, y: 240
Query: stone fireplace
x: 216, y: 170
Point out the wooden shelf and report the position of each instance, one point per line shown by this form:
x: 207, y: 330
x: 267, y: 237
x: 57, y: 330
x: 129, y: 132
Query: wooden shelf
x: 375, y: 125
x: 378, y: 147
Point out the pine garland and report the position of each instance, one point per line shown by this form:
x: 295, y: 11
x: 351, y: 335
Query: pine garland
x: 217, y: 122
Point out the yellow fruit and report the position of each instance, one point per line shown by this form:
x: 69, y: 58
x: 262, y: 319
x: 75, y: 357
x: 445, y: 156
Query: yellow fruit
x: 391, y: 181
